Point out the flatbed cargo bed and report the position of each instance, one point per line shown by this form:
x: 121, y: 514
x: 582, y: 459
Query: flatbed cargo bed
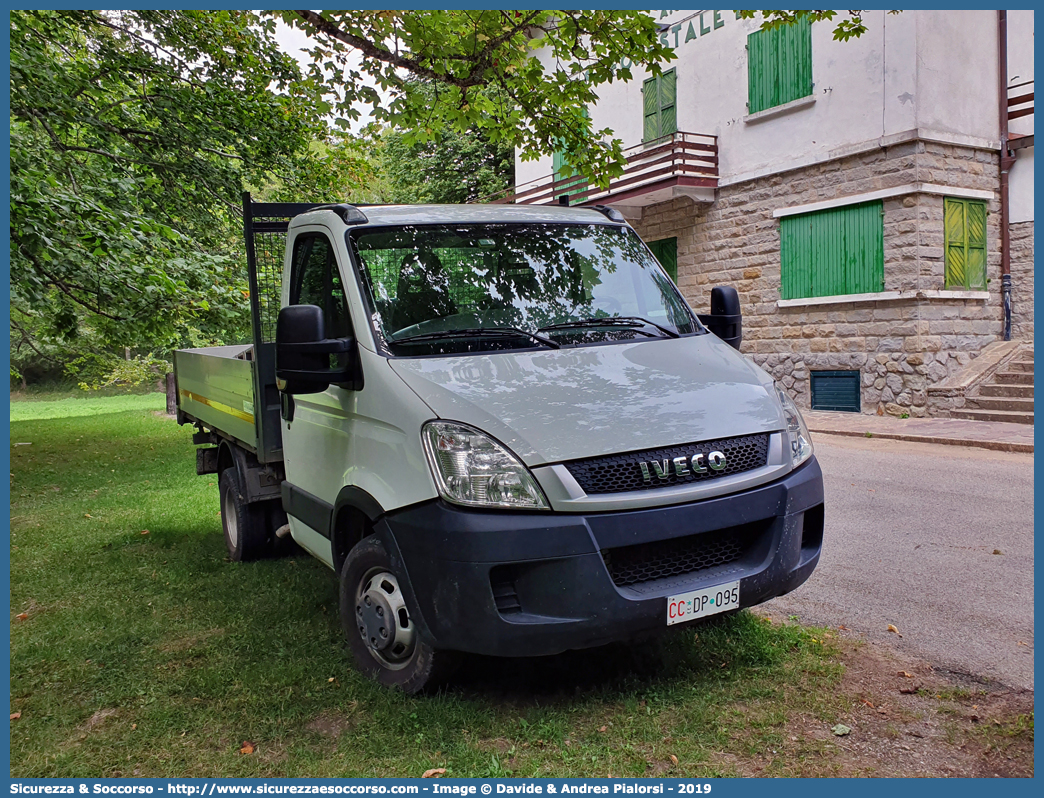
x: 216, y: 389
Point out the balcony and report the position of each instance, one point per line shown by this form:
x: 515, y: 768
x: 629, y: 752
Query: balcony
x: 683, y: 164
x: 1020, y: 104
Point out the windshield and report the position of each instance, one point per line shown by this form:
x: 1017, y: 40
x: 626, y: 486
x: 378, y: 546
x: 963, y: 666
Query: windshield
x: 449, y: 289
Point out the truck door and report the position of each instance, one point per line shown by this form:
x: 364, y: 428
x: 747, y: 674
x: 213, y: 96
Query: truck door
x: 316, y: 439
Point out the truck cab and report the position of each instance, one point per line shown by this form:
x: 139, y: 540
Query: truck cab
x: 504, y: 429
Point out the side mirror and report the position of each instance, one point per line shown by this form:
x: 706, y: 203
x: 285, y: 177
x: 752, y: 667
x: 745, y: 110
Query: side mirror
x: 303, y: 353
x: 725, y: 319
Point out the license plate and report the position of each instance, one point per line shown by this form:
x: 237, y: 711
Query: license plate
x: 701, y: 603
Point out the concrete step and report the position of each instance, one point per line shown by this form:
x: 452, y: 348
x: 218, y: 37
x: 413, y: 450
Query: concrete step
x: 1013, y: 378
x: 1008, y: 390
x: 1010, y: 416
x: 1000, y: 403
x: 1019, y: 365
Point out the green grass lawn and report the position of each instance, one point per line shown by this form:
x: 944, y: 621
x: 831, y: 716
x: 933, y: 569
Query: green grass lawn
x: 38, y: 408
x: 137, y: 648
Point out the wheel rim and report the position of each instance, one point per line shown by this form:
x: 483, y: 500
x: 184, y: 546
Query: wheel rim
x: 228, y: 514
x: 382, y: 619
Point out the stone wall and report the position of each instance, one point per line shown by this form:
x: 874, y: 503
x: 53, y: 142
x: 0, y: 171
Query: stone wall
x: 1021, y: 237
x: 900, y: 346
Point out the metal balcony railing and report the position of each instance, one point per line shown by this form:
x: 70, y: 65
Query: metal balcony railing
x: 1020, y: 100
x: 681, y: 159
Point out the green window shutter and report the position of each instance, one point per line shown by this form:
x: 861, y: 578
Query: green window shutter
x: 795, y: 234
x: 976, y: 245
x: 668, y: 103
x: 561, y: 171
x: 666, y: 252
x: 965, y: 237
x: 659, y: 104
x: 832, y: 252
x: 651, y: 104
x: 779, y: 65
x: 795, y: 61
x: 760, y: 74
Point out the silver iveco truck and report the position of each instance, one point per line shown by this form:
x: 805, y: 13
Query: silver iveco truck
x: 502, y: 427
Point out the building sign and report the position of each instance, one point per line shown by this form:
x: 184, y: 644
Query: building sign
x: 696, y: 25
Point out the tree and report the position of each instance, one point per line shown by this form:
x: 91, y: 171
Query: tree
x: 132, y: 135
x: 452, y: 167
x: 478, y: 71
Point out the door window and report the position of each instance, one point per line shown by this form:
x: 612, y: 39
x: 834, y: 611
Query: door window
x: 315, y: 280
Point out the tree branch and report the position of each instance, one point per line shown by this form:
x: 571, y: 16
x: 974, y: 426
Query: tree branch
x: 65, y: 290
x: 479, y: 65
x: 27, y: 339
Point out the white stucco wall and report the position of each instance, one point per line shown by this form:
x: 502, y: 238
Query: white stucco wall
x: 957, y: 74
x: 929, y: 70
x: 1020, y: 70
x: 1020, y: 62
x: 1020, y: 188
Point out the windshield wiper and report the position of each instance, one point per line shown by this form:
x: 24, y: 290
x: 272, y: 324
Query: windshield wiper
x: 609, y: 321
x: 477, y: 332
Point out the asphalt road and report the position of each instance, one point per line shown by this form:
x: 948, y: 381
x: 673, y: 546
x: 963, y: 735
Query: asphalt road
x: 910, y: 540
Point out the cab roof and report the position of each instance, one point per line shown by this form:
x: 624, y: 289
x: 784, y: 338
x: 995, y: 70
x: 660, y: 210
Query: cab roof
x: 380, y: 215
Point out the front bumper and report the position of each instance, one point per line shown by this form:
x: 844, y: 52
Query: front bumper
x: 530, y: 584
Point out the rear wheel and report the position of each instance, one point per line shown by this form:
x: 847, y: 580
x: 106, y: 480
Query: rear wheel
x: 377, y: 624
x: 245, y: 525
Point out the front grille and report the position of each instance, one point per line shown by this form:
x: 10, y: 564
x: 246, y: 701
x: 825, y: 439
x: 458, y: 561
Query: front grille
x: 621, y: 472
x: 645, y: 562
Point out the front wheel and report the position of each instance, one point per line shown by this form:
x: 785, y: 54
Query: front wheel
x: 378, y: 627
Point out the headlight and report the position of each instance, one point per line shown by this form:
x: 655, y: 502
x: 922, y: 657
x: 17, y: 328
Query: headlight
x: 472, y: 469
x: 800, y: 440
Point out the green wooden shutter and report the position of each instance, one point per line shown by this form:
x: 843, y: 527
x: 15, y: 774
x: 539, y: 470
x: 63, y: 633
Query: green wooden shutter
x: 668, y: 103
x: 965, y: 236
x: 560, y: 170
x: 795, y: 234
x: 760, y: 77
x: 666, y: 252
x: 779, y: 65
x: 651, y: 104
x: 794, y: 61
x: 832, y: 252
x: 659, y: 104
x: 976, y: 245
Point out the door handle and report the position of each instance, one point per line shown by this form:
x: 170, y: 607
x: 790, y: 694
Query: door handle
x: 286, y: 407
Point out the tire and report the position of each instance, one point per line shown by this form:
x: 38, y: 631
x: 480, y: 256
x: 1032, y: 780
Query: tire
x: 399, y: 658
x: 244, y: 525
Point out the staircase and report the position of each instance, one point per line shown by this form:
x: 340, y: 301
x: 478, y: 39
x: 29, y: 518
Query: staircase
x: 1007, y: 395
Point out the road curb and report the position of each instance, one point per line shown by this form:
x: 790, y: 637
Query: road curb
x: 1000, y: 446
